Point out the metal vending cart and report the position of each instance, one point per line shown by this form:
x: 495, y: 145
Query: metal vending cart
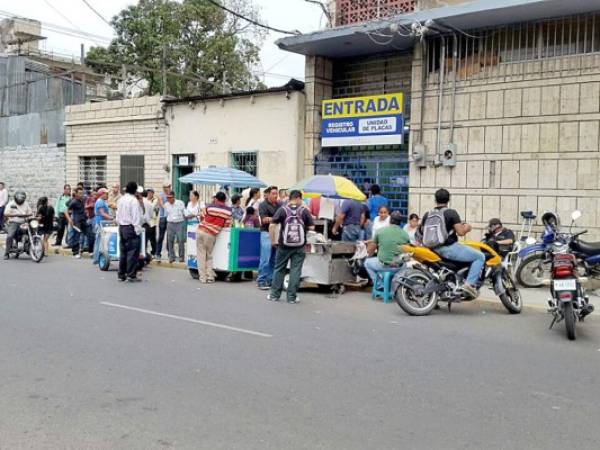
x: 236, y: 250
x: 109, y: 245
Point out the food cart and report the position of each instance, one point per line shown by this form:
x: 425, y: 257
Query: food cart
x: 237, y: 250
x: 110, y: 245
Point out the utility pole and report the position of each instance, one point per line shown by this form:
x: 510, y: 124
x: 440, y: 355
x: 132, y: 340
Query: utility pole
x: 224, y: 82
x: 124, y: 80
x: 163, y: 66
x: 83, y: 75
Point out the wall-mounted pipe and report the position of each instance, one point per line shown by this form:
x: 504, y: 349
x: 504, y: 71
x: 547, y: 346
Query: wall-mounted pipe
x: 440, y: 100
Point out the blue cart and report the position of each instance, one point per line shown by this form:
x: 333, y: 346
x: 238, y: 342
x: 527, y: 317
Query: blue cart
x: 109, y: 245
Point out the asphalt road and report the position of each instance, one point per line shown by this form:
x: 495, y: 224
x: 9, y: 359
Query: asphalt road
x: 219, y: 367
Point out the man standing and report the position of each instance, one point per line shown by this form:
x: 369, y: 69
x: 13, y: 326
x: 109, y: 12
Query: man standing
x: 113, y: 198
x: 294, y: 220
x: 445, y: 222
x: 375, y: 201
x: 162, y: 218
x: 60, y: 208
x: 150, y: 219
x: 216, y: 216
x: 75, y: 214
x: 351, y: 219
x: 388, y: 241
x: 266, y: 211
x: 129, y: 219
x: 89, y: 204
x: 3, y: 203
x: 16, y: 212
x: 176, y: 230
x: 101, y: 213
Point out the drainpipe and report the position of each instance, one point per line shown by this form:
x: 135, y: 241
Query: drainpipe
x: 423, y: 86
x: 437, y: 160
x: 454, y: 67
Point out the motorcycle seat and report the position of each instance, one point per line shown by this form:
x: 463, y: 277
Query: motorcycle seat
x: 589, y: 248
x: 528, y: 215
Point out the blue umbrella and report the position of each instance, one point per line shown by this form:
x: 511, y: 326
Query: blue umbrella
x: 224, y: 176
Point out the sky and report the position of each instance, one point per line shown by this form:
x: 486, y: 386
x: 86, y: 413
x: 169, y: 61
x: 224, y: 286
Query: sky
x: 74, y: 14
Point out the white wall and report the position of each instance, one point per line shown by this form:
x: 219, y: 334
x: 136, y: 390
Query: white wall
x: 270, y: 124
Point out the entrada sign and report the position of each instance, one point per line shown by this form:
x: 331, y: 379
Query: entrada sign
x: 370, y: 120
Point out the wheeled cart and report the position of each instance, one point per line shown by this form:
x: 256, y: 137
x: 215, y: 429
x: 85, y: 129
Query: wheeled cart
x: 109, y: 245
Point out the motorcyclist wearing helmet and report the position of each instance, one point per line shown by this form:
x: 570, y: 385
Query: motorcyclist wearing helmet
x: 17, y: 211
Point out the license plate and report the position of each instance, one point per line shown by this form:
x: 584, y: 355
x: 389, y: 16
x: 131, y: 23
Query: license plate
x: 565, y: 285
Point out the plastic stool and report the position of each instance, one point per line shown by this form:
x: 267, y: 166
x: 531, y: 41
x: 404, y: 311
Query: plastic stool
x: 382, y: 285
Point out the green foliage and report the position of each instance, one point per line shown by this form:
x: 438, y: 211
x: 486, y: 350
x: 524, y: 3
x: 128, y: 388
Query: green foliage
x: 203, y: 49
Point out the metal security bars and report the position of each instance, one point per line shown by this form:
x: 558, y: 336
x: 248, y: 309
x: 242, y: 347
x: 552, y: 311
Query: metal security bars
x: 92, y: 171
x: 516, y: 51
x: 245, y: 161
x: 132, y: 169
x: 358, y: 11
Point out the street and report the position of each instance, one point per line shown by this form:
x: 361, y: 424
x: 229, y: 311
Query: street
x: 90, y: 363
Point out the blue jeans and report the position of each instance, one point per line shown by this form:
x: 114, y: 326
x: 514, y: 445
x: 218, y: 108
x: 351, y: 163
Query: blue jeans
x: 373, y: 266
x: 96, y: 253
x: 267, y: 259
x: 464, y: 253
x: 351, y: 233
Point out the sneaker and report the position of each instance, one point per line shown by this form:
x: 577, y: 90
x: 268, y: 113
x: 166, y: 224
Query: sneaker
x: 264, y: 287
x: 272, y: 299
x: 210, y: 280
x: 122, y: 278
x: 293, y: 301
x: 78, y: 256
x: 470, y: 291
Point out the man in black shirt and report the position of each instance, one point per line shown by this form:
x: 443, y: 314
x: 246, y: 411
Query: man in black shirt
x: 76, y: 217
x: 266, y: 210
x: 499, y: 238
x: 451, y: 249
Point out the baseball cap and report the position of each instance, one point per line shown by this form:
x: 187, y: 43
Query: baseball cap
x: 494, y: 222
x: 102, y: 191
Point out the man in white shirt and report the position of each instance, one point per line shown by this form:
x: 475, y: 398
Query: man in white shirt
x: 129, y: 218
x: 16, y: 212
x: 3, y: 203
x: 176, y: 230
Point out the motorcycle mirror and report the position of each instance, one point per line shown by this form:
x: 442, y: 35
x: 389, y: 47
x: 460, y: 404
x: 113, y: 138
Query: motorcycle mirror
x: 575, y: 215
x: 530, y: 241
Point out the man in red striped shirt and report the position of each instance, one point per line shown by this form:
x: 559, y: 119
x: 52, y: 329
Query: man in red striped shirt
x: 215, y: 217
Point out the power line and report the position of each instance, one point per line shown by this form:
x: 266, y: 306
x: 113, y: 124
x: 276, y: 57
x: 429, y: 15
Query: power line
x: 58, y: 11
x: 252, y: 21
x: 97, y: 13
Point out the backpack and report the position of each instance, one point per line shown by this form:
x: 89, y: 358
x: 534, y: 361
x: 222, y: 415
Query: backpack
x: 435, y: 233
x: 293, y: 228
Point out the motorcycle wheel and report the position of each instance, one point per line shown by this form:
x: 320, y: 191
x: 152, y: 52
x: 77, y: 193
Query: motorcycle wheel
x: 532, y: 270
x: 511, y: 298
x: 570, y: 321
x: 412, y: 303
x: 36, y: 250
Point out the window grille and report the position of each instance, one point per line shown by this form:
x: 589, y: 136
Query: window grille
x: 92, y: 171
x: 245, y: 161
x: 132, y: 169
x: 349, y: 12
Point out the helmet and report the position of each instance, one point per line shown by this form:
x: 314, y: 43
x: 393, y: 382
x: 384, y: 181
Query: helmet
x: 20, y: 197
x: 551, y: 220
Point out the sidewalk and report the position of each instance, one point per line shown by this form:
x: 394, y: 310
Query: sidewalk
x: 536, y: 299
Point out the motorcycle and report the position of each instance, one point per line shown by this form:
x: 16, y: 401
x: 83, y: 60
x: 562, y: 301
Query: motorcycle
x: 523, y: 241
x: 432, y: 279
x: 568, y: 300
x: 28, y: 241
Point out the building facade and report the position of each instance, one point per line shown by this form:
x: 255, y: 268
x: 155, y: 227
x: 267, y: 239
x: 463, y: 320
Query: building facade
x: 502, y: 104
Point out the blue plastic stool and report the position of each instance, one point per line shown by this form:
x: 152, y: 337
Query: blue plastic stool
x: 382, y: 285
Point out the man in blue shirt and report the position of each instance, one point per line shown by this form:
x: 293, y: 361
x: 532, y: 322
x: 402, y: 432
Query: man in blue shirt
x: 376, y: 201
x: 101, y: 213
x: 351, y: 218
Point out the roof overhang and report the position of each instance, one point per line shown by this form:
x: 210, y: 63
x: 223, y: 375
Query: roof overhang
x: 370, y: 38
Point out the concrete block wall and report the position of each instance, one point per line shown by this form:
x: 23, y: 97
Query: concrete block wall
x: 115, y: 128
x: 524, y: 142
x: 39, y: 170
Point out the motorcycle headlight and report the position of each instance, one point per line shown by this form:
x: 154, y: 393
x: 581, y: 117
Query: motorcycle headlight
x: 34, y: 224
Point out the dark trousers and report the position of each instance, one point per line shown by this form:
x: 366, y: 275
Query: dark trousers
x: 11, y: 233
x: 150, y: 238
x: 162, y: 232
x: 78, y: 239
x: 129, y: 248
x: 2, y: 217
x: 62, y: 226
x: 295, y: 256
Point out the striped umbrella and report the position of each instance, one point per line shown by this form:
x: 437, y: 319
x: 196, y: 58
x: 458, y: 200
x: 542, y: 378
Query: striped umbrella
x: 330, y: 186
x: 223, y: 176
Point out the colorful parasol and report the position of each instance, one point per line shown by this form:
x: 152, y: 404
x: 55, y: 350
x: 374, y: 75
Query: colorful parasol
x: 331, y: 186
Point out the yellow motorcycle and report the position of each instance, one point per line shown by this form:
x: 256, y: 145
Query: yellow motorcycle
x: 432, y: 279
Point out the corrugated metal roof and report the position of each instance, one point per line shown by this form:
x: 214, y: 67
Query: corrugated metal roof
x: 359, y: 39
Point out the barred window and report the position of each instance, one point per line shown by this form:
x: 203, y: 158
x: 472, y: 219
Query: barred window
x: 132, y: 169
x: 92, y: 171
x: 245, y: 161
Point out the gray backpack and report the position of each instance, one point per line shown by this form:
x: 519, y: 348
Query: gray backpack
x: 435, y: 233
x: 293, y: 227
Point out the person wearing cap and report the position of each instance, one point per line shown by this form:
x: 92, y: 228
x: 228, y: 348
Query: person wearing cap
x: 176, y: 230
x: 162, y: 218
x: 101, y: 213
x: 498, y: 237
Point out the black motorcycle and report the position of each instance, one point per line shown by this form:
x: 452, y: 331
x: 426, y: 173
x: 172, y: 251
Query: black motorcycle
x: 28, y: 241
x: 569, y: 301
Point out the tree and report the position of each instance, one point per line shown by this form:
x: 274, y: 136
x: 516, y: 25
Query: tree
x: 195, y: 46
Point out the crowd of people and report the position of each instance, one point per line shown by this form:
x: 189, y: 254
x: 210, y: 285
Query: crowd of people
x: 284, y: 220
